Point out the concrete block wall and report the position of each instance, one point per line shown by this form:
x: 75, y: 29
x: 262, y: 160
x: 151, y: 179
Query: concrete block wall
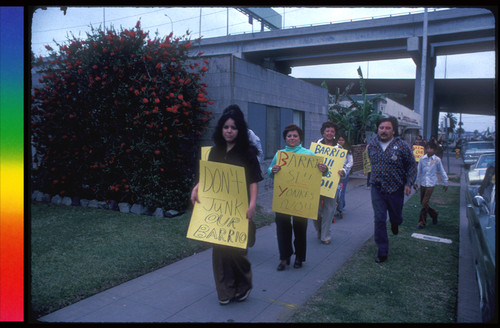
x: 232, y: 80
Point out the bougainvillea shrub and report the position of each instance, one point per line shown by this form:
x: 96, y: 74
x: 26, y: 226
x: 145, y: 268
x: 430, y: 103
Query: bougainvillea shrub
x: 119, y: 117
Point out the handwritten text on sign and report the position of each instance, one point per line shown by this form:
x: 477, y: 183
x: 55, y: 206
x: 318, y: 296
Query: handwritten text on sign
x: 418, y: 151
x: 220, y: 217
x: 334, y: 159
x: 296, y: 185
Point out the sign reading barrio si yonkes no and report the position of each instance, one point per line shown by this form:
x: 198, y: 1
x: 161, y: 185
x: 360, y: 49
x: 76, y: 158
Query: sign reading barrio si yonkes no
x: 297, y: 185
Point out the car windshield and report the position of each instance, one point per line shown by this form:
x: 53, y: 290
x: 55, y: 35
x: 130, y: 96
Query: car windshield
x: 485, y: 161
x: 482, y: 145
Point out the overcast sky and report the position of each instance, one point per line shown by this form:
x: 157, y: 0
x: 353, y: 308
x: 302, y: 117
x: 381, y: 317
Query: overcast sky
x: 52, y: 24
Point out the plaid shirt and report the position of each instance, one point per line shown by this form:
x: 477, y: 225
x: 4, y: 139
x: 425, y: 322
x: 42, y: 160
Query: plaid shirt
x: 393, y: 168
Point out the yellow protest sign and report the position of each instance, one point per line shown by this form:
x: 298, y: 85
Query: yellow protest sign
x: 204, y: 153
x: 418, y: 151
x: 220, y: 216
x: 367, y: 167
x: 334, y: 159
x: 297, y: 185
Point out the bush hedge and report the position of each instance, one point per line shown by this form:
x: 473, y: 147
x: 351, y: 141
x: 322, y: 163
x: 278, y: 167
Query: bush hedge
x: 118, y: 117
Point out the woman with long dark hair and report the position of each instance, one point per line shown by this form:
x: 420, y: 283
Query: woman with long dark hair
x: 231, y: 267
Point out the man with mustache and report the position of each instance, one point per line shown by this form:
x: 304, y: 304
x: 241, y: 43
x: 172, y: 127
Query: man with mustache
x: 393, y: 172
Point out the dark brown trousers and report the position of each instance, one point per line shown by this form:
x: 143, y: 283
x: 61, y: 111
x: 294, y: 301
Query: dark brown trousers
x: 425, y: 196
x: 232, y: 271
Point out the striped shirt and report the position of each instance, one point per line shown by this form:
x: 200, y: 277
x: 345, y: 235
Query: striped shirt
x: 393, y: 167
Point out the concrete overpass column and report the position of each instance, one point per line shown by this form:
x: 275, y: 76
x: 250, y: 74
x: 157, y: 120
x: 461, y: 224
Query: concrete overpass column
x: 424, y: 95
x: 431, y: 112
x: 425, y: 61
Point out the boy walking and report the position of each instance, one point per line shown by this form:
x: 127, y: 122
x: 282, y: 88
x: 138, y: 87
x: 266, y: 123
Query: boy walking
x: 428, y: 168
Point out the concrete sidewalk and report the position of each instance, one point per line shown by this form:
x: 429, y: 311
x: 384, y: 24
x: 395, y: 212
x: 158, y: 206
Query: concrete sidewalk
x: 185, y: 291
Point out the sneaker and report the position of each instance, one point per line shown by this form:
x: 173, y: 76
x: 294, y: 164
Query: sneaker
x: 419, y: 226
x: 244, y: 296
x: 224, y: 302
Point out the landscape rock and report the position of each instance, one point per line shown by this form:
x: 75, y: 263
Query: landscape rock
x: 124, y: 207
x: 39, y: 196
x: 158, y: 213
x: 93, y: 203
x: 66, y: 201
x: 103, y: 205
x: 171, y: 213
x: 56, y: 200
x: 45, y: 198
x: 35, y: 194
x: 137, y: 209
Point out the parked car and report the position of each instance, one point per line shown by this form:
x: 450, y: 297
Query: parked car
x: 476, y: 148
x: 478, y: 170
x: 481, y: 217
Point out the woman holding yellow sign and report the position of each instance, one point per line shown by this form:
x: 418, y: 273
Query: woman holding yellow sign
x: 293, y: 136
x: 326, y: 204
x: 231, y: 267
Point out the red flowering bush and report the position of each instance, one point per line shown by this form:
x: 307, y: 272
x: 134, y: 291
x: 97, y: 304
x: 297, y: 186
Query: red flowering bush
x: 119, y: 117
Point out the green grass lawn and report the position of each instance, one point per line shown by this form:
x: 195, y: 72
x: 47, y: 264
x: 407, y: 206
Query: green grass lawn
x: 417, y: 284
x: 77, y: 252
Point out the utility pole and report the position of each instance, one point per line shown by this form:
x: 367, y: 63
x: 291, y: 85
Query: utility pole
x: 200, y: 25
x: 460, y: 127
x: 446, y: 119
x: 423, y: 82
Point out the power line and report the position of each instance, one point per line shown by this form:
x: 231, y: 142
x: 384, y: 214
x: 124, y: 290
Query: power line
x: 185, y: 19
x: 122, y: 18
x: 111, y: 20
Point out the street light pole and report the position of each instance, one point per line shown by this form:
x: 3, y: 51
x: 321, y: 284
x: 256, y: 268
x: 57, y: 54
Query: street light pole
x: 171, y: 23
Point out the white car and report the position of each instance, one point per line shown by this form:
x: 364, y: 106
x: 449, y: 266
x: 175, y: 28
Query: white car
x: 477, y: 171
x: 474, y: 149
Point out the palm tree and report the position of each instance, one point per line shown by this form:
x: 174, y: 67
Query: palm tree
x: 338, y: 112
x: 360, y: 116
x: 452, y: 120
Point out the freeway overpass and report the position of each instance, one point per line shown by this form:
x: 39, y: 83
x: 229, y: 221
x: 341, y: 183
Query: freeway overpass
x: 466, y: 96
x: 421, y: 37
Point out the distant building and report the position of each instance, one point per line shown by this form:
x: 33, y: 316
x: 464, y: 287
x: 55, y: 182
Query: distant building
x: 410, y: 122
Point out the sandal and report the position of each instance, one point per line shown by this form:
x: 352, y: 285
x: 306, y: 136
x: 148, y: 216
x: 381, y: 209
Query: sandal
x: 282, y: 264
x: 297, y: 264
